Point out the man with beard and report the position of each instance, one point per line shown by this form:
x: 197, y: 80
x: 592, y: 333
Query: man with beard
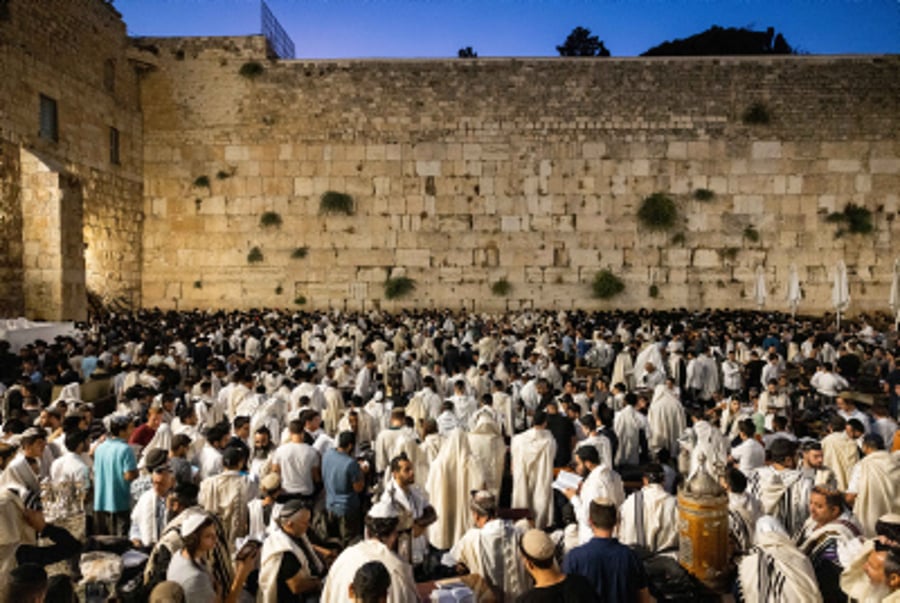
x: 813, y: 465
x: 260, y: 461
x: 415, y: 512
x: 599, y: 481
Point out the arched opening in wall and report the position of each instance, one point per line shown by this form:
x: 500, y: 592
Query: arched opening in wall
x: 53, y: 241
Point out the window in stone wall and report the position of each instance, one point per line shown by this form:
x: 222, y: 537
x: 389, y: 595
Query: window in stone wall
x: 109, y: 75
x: 49, y: 126
x: 114, y: 146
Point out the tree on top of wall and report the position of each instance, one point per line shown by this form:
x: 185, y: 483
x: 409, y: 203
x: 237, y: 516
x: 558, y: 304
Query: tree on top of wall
x: 581, y: 43
x: 719, y: 41
x: 467, y: 53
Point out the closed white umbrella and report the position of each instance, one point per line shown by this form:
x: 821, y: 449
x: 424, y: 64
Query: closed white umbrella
x: 759, y: 293
x: 794, y: 293
x: 840, y: 292
x: 895, y: 293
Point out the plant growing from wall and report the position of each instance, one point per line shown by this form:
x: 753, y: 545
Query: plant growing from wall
x: 255, y: 256
x: 198, y: 284
x: 398, y: 286
x: 201, y: 182
x: 501, y: 288
x: 333, y: 202
x: 657, y: 212
x: 855, y: 219
x: 704, y: 194
x: 606, y: 285
x: 751, y: 234
x: 279, y: 290
x: 653, y: 291
x: 756, y: 114
x: 270, y: 218
x: 299, y: 253
x: 300, y: 300
x: 678, y: 238
x: 223, y: 175
x: 252, y: 69
x: 730, y: 253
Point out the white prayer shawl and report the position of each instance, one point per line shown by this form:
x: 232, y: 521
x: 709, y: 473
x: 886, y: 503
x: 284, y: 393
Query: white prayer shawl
x: 627, y: 427
x: 386, y: 446
x: 259, y: 529
x: 13, y: 531
x: 503, y: 406
x: 144, y: 514
x: 854, y: 580
x: 453, y: 476
x: 275, y: 546
x: 492, y: 552
x: 227, y: 496
x: 650, y: 519
x: 340, y: 576
x: 667, y: 422
x: 487, y: 447
x: 840, y: 453
x: 775, y: 571
x: 532, y: 453
x: 366, y: 431
x: 743, y: 512
x: 623, y: 370
x: 879, y: 489
x: 18, y: 473
x: 603, y: 446
x: 600, y: 482
x: 650, y: 354
x: 417, y: 409
x: 783, y: 494
x: 410, y: 504
x: 161, y: 439
x: 428, y: 453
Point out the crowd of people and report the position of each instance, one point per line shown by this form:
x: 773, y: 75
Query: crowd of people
x: 521, y: 457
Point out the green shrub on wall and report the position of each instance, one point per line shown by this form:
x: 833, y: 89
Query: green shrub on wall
x: 606, y: 285
x: 299, y: 253
x: 300, y: 300
x: 657, y: 212
x: 398, y: 286
x: 252, y: 69
x: 201, y: 182
x: 756, y: 114
x: 704, y: 194
x: 501, y: 288
x: 855, y: 219
x: 653, y: 291
x: 255, y: 256
x: 333, y: 202
x: 270, y: 218
x: 751, y: 234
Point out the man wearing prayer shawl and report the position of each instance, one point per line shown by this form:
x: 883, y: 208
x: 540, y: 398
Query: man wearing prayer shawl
x: 454, y: 474
x: 867, y: 578
x: 627, y: 426
x: 829, y: 529
x: 412, y: 505
x: 743, y: 511
x: 775, y: 570
x: 381, y: 536
x: 489, y: 548
x: 782, y: 489
x: 532, y: 454
x: 488, y: 448
x: 874, y: 488
x: 839, y: 451
x: 289, y: 564
x: 650, y: 515
x: 666, y: 416
x: 599, y: 481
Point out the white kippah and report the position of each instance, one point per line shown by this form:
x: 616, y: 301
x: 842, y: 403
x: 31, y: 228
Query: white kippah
x: 383, y: 510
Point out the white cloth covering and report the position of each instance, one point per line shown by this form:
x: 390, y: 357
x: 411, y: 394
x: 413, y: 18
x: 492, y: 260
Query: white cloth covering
x: 667, y: 422
x: 879, y: 489
x: 775, y: 571
x: 454, y: 474
x: 650, y: 519
x: 532, y: 455
x: 340, y: 576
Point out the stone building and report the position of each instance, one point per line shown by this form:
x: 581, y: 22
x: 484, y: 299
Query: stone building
x: 493, y: 183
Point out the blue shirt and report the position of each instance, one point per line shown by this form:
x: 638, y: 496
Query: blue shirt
x: 612, y: 568
x: 339, y: 472
x: 112, y: 459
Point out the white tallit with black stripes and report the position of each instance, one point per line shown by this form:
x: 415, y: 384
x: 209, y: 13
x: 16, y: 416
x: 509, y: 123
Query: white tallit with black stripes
x: 775, y: 570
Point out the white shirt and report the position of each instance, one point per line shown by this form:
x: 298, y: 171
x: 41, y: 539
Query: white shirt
x: 749, y: 454
x: 71, y: 467
x: 296, y: 462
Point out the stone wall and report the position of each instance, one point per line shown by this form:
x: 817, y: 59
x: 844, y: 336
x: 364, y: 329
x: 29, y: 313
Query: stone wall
x: 466, y: 172
x: 77, y: 53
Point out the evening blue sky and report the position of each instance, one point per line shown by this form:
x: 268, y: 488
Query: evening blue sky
x: 438, y: 28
